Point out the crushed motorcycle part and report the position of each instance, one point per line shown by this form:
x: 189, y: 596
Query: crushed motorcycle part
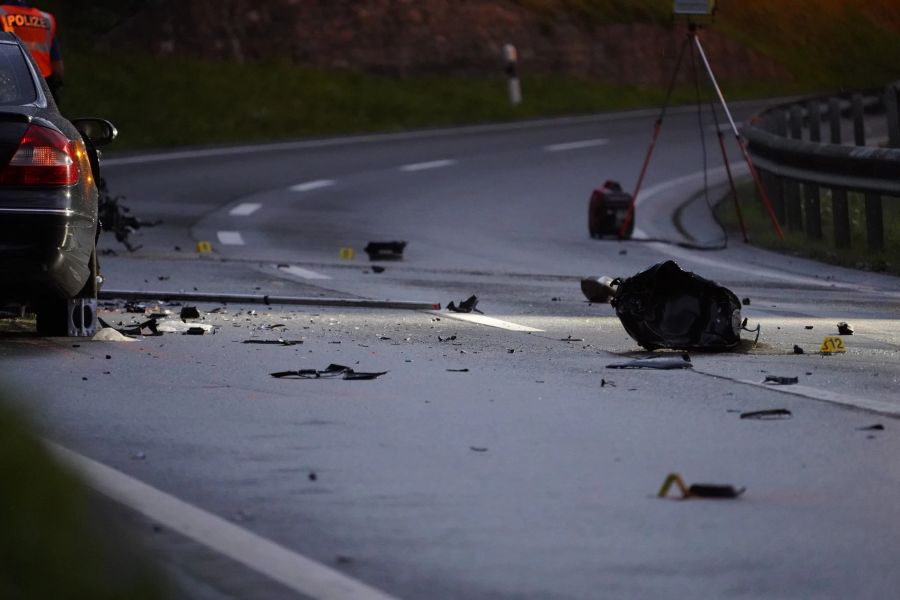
x: 662, y: 363
x: 189, y: 312
x: 772, y: 414
x: 150, y: 324
x: 465, y: 306
x: 699, y: 490
x: 845, y: 328
x: 667, y: 307
x: 780, y: 380
x: 385, y: 250
x: 332, y: 371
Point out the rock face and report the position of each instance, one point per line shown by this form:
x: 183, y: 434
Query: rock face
x: 407, y: 37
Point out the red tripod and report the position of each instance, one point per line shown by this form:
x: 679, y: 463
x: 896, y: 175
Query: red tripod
x: 693, y: 42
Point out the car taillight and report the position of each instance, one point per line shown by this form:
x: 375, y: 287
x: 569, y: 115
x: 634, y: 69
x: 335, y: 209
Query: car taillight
x: 44, y: 157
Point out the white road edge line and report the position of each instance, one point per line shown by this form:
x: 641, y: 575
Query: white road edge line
x: 245, y: 209
x: 576, y: 145
x: 293, y: 570
x: 230, y: 238
x: 489, y: 321
x: 301, y: 272
x: 434, y: 164
x: 312, y: 185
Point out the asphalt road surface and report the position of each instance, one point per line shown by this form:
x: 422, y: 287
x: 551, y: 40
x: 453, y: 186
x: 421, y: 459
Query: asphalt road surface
x: 498, y: 457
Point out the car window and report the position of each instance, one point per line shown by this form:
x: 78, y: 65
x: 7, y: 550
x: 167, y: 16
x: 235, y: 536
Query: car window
x: 16, y: 84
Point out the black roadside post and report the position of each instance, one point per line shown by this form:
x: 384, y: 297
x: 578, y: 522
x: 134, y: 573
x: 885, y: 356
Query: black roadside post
x: 811, y: 190
x: 839, y: 207
x: 511, y: 56
x: 791, y: 186
x: 874, y: 223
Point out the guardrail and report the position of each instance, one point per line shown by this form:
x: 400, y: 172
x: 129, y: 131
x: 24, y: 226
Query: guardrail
x: 800, y: 170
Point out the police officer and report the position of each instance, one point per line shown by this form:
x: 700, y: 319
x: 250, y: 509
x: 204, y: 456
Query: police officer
x: 37, y: 30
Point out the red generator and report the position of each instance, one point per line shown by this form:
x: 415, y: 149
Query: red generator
x: 608, y: 209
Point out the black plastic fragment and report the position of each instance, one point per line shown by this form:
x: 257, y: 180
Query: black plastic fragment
x: 189, y: 312
x: 713, y: 490
x: 377, y: 269
x: 844, y: 328
x: 465, y: 306
x: 875, y: 427
x: 332, y: 371
x: 780, y: 380
x: 385, y: 250
x: 768, y: 415
x: 274, y: 342
x: 798, y: 349
x: 458, y: 370
x: 195, y: 331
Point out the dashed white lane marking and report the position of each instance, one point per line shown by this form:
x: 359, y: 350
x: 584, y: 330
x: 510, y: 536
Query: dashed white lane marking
x: 297, y: 572
x: 230, y: 238
x: 489, y: 321
x: 308, y: 186
x: 304, y: 273
x: 576, y: 145
x: 434, y: 164
x: 245, y: 210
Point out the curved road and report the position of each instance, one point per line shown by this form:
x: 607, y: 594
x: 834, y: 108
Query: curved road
x: 533, y: 473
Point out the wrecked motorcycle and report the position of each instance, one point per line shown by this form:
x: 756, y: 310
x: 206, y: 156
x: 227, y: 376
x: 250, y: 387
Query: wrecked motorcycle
x: 667, y: 307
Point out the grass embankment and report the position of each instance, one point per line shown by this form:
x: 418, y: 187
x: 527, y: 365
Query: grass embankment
x: 162, y: 102
x: 52, y: 542
x: 762, y: 233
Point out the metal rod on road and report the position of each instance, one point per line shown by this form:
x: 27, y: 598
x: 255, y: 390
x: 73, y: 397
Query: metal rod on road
x: 218, y: 298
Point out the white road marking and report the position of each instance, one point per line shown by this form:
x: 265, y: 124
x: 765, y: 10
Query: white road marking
x: 245, y: 210
x: 297, y: 572
x: 483, y: 320
x: 230, y: 238
x: 312, y: 185
x: 303, y: 273
x: 576, y: 145
x: 434, y: 164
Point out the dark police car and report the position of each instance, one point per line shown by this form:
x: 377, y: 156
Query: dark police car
x: 48, y: 199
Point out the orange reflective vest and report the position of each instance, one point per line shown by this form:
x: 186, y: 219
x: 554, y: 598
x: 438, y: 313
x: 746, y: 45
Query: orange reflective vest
x: 35, y: 28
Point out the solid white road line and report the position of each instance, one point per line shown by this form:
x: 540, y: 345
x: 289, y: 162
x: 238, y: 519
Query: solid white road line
x: 244, y: 210
x: 576, y: 145
x: 304, y: 273
x: 230, y: 238
x: 483, y: 320
x: 312, y: 185
x: 434, y: 164
x: 297, y: 572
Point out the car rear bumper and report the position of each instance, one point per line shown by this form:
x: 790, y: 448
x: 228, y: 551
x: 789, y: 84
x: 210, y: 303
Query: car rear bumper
x: 44, y: 252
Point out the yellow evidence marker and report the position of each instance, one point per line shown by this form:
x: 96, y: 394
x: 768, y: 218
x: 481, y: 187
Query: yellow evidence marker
x: 347, y: 253
x: 832, y: 344
x: 204, y: 247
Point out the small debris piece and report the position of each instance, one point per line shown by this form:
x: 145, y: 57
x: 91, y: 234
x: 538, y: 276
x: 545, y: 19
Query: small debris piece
x: 109, y: 334
x: 343, y: 560
x: 138, y: 455
x: 109, y: 357
x: 554, y: 299
x: 768, y: 415
x: 844, y: 328
x: 571, y: 339
x: 313, y: 476
x: 510, y: 350
x: 478, y: 449
x: 189, y: 312
x: 458, y: 370
x: 662, y: 362
x: 876, y: 427
x: 808, y: 326
x: 745, y: 301
x: 623, y: 252
x: 699, y: 490
x: 465, y: 306
x: 798, y: 349
x: 195, y: 331
x: 332, y: 371
x: 377, y: 269
x: 780, y: 380
x: 446, y: 339
x: 598, y: 289
x: 385, y: 250
x: 278, y: 342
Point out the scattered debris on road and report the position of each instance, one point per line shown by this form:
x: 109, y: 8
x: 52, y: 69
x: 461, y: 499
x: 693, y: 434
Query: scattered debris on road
x: 875, y: 427
x: 655, y: 362
x: 699, y: 490
x: 772, y: 414
x: 278, y: 342
x: 332, y: 371
x: 385, y: 250
x: 780, y: 380
x: 446, y: 339
x: 465, y: 306
x: 667, y: 307
x: 845, y: 328
x: 114, y: 216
